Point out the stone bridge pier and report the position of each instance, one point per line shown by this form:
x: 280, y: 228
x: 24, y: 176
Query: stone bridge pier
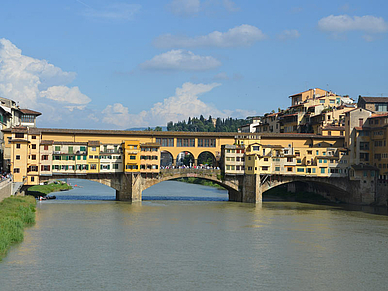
x: 244, y: 188
x: 241, y: 188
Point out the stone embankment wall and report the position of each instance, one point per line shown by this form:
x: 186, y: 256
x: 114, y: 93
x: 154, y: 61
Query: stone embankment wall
x: 5, y: 189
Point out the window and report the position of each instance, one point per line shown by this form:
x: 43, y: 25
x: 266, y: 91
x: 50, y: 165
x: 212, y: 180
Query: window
x: 82, y: 149
x: 45, y: 157
x: 16, y: 170
x: 96, y: 157
x: 206, y: 142
x: 33, y: 146
x: 289, y: 169
x: 323, y: 170
x: 93, y: 166
x: 57, y: 148
x: 45, y: 147
x: 19, y: 135
x: 132, y: 157
x: 300, y: 170
x: 277, y: 169
x: 93, y: 149
x: 33, y: 157
x: 265, y: 168
x: 380, y: 107
x: 28, y: 118
x: 33, y: 137
x: 249, y: 168
x: 309, y: 152
x: 78, y: 158
x: 57, y: 158
x: 115, y: 166
x: 18, y: 145
x: 18, y: 157
x: 45, y: 168
x: 185, y: 142
x: 165, y: 142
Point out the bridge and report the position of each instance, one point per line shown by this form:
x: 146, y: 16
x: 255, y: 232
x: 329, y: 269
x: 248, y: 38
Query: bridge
x: 241, y: 188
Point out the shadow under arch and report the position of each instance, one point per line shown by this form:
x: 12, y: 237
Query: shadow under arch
x: 207, y: 158
x: 166, y: 158
x: 185, y: 158
x: 305, y: 190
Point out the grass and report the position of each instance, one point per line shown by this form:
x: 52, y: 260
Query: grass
x: 15, y: 214
x: 43, y: 190
x: 200, y: 181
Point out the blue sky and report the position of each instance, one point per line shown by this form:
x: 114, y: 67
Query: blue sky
x: 106, y: 64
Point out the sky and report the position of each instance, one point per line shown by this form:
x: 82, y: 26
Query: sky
x: 105, y: 64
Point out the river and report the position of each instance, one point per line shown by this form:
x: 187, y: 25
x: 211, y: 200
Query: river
x: 195, y: 243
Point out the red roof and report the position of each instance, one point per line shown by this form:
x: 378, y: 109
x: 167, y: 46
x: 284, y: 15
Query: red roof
x: 375, y: 115
x: 30, y: 112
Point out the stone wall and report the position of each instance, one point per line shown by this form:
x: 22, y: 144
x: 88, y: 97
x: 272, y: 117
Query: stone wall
x: 5, y: 189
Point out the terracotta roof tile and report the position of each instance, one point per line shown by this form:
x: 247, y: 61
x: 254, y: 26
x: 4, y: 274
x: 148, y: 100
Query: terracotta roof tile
x: 30, y: 112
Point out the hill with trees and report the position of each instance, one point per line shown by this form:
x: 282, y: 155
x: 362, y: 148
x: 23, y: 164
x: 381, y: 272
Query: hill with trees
x: 207, y: 125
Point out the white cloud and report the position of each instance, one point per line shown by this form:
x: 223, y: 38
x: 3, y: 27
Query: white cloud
x: 181, y: 60
x: 66, y: 95
x: 345, y: 23
x: 183, y: 104
x: 289, y: 34
x: 185, y: 7
x: 243, y: 35
x: 33, y: 81
x: 114, y: 11
x: 230, y: 6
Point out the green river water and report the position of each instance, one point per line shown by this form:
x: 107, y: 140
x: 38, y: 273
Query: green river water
x: 80, y: 244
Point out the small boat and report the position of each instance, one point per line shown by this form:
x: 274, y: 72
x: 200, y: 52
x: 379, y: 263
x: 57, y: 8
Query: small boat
x: 41, y: 198
x: 64, y: 190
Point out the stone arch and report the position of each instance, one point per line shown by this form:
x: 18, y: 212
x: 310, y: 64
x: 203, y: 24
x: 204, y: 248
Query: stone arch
x: 166, y: 158
x: 232, y: 187
x: 204, y: 156
x: 185, y: 158
x: 325, y: 187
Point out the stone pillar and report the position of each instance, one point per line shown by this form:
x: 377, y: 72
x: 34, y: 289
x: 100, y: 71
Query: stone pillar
x: 195, y: 162
x: 235, y: 196
x: 130, y: 188
x: 251, y: 190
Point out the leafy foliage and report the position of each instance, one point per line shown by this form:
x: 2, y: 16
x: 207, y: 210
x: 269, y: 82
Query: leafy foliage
x: 207, y: 125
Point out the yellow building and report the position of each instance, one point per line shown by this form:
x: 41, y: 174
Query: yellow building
x: 131, y: 151
x: 295, y: 154
x: 149, y: 158
x: 93, y: 158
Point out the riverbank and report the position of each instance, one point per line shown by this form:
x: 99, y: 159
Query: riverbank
x: 43, y: 190
x: 15, y: 214
x: 199, y: 181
